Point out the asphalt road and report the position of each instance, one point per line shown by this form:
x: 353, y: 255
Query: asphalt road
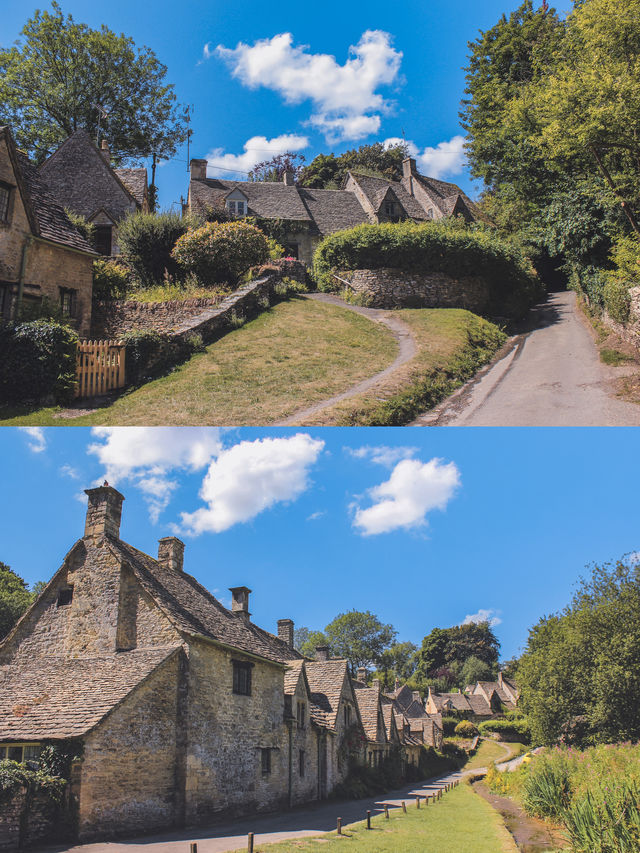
x: 551, y: 376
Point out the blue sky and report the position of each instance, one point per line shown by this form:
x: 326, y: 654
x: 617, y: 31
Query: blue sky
x: 404, y: 76
x: 424, y: 527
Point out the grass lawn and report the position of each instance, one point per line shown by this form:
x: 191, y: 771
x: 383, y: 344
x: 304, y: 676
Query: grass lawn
x: 490, y: 750
x: 297, y: 353
x: 461, y: 822
x: 451, y: 345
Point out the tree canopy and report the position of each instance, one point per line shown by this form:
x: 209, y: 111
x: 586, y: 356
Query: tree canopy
x: 15, y: 598
x: 326, y: 171
x: 445, y: 653
x: 274, y: 169
x: 63, y: 75
x: 358, y: 636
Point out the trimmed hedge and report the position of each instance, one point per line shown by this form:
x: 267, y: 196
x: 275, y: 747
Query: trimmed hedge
x: 431, y: 248
x: 617, y: 301
x: 221, y: 251
x: 37, y: 361
x: 514, y: 728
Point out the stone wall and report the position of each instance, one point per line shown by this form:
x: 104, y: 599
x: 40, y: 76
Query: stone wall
x: 630, y: 331
x: 29, y: 818
x: 394, y: 288
x: 112, y: 318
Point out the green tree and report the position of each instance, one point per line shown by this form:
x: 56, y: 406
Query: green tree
x: 433, y: 652
x: 398, y: 661
x: 580, y: 673
x: 307, y: 641
x: 360, y: 637
x: 474, y: 669
x: 273, y: 170
x: 15, y: 598
x: 63, y: 76
x: 475, y: 639
x: 328, y: 171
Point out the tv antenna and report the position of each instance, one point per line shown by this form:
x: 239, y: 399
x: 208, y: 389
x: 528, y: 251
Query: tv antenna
x: 187, y: 117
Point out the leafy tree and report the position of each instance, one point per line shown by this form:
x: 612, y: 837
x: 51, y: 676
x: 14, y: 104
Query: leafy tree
x: 15, y: 598
x: 306, y: 641
x: 474, y: 669
x: 433, y: 653
x: 63, y: 76
x: 360, y: 637
x: 476, y: 639
x: 580, y: 673
x: 398, y: 661
x: 274, y: 169
x: 328, y: 171
x: 445, y: 651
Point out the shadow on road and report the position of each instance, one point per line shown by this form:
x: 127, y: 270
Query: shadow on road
x: 541, y: 316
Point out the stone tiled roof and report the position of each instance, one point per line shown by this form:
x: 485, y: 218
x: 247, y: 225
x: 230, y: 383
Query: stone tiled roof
x: 403, y: 696
x: 292, y: 675
x: 194, y: 610
x: 135, y: 180
x: 446, y: 196
x: 479, y: 705
x: 376, y: 190
x: 267, y: 199
x: 333, y: 210
x: 368, y: 699
x: 458, y: 700
x: 415, y: 709
x: 66, y: 697
x: 326, y: 679
x: 388, y: 717
x: 52, y: 222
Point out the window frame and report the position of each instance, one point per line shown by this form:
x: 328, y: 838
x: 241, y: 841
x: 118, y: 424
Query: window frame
x: 301, y: 712
x: 236, y: 206
x: 265, y: 760
x: 72, y: 295
x: 301, y: 763
x: 241, y: 687
x: 65, y: 596
x: 22, y: 745
x: 9, y: 188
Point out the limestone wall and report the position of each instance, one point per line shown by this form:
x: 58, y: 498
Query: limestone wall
x: 29, y: 818
x: 630, y: 331
x: 112, y: 318
x: 394, y: 288
x: 304, y: 786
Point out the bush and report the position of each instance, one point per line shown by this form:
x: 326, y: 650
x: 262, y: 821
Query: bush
x: 146, y: 241
x: 37, y: 360
x: 150, y: 354
x: 218, y: 252
x: 626, y: 257
x: 86, y: 228
x: 449, y: 725
x: 617, y: 300
x: 546, y: 791
x: 14, y: 776
x: 451, y: 249
x: 465, y: 728
x: 110, y: 280
x: 516, y: 728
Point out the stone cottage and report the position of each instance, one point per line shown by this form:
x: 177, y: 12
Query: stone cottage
x: 42, y: 255
x: 84, y: 181
x: 305, y: 216
x: 480, y: 701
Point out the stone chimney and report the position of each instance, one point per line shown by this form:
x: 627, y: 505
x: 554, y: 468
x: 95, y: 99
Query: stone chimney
x: 198, y: 170
x: 408, y: 167
x: 376, y: 685
x: 106, y: 153
x: 289, y: 178
x: 361, y: 674
x: 322, y: 652
x: 103, y: 512
x: 500, y: 679
x: 285, y: 631
x: 240, y: 601
x: 171, y: 553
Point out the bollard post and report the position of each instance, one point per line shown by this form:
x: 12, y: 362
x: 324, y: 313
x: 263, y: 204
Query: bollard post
x: 368, y: 820
x: 417, y: 802
x: 339, y: 826
x: 250, y: 843
x: 404, y: 807
x: 386, y: 812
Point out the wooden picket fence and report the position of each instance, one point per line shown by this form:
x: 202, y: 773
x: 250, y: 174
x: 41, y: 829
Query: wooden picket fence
x: 99, y: 367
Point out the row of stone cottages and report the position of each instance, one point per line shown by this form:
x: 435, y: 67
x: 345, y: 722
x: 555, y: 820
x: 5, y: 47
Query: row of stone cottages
x: 42, y: 255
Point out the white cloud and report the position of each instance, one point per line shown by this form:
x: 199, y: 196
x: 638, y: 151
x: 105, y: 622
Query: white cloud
x: 344, y: 97
x: 35, y: 438
x: 382, y: 455
x: 490, y: 616
x: 250, y: 477
x: 256, y: 149
x: 316, y: 515
x: 70, y: 472
x: 402, y: 502
x: 447, y: 158
x: 146, y: 455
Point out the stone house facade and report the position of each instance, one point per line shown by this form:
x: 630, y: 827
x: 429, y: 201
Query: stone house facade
x: 305, y: 215
x: 42, y: 255
x: 84, y: 181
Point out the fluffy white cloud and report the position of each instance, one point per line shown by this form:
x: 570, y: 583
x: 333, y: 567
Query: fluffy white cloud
x: 446, y: 159
x: 35, y: 438
x: 490, y: 616
x: 255, y: 150
x: 402, y: 502
x: 382, y: 455
x: 145, y: 456
x: 344, y: 97
x: 250, y: 477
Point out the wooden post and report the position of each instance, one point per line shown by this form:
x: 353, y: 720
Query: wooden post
x: 339, y: 826
x: 368, y: 820
x: 250, y: 843
x: 386, y: 812
x: 404, y: 807
x: 417, y: 802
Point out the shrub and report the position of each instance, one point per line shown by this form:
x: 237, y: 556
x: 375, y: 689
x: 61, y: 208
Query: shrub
x: 146, y: 241
x: 617, y: 300
x: 606, y: 820
x: 14, y: 776
x: 218, y: 252
x: 37, y: 360
x: 275, y: 249
x: 516, y: 728
x: 449, y: 725
x: 150, y: 354
x: 110, y: 280
x: 546, y: 791
x: 86, y: 228
x: 451, y: 249
x: 626, y: 257
x: 465, y: 728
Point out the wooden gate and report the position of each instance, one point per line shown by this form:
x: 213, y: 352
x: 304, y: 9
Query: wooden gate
x: 99, y: 367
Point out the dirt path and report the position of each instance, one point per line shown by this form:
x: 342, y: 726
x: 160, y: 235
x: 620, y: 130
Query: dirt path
x: 550, y: 375
x: 400, y: 331
x: 531, y: 835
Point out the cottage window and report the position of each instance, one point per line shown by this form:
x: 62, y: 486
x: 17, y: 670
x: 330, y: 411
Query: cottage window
x: 265, y: 761
x: 300, y: 714
x: 237, y: 208
x: 347, y: 715
x: 389, y: 208
x: 242, y: 677
x: 430, y: 213
x: 67, y: 302
x: 19, y: 752
x: 103, y: 239
x: 5, y: 196
x: 301, y: 762
x: 65, y: 596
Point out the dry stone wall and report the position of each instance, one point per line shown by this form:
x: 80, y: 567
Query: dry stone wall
x: 394, y: 288
x: 630, y: 331
x: 29, y: 818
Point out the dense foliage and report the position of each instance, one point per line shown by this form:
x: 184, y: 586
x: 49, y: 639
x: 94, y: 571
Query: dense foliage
x: 445, y: 247
x: 146, y: 242
x: 63, y: 76
x: 457, y: 656
x: 326, y: 171
x: 518, y: 729
x: 14, y: 776
x: 221, y: 252
x: 15, y: 598
x: 110, y: 280
x: 151, y: 354
x: 37, y: 361
x: 275, y: 168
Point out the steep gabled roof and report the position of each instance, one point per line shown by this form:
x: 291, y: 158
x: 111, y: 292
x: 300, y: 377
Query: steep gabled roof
x: 55, y: 697
x: 326, y: 680
x: 195, y: 611
x: 333, y: 210
x: 292, y: 675
x: 368, y: 699
x: 135, y: 180
x: 457, y: 700
x: 267, y: 199
x: 377, y: 189
x: 479, y: 705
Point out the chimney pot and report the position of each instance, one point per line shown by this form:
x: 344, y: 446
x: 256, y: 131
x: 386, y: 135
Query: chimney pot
x: 361, y: 674
x: 106, y: 153
x: 285, y: 631
x: 240, y: 601
x: 322, y: 652
x: 171, y: 553
x: 376, y: 685
x: 198, y: 170
x: 289, y: 178
x: 104, y: 512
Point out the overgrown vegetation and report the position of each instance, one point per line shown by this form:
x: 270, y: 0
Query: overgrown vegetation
x: 151, y: 354
x: 37, y: 361
x: 146, y: 241
x: 14, y: 776
x: 518, y: 729
x: 435, y: 247
x: 15, y: 598
x: 111, y: 280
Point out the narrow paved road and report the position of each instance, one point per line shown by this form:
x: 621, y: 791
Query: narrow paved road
x: 551, y: 376
x: 297, y: 823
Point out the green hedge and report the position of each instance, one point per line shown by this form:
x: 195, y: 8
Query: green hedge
x: 146, y: 241
x: 617, y: 301
x: 37, y: 361
x: 221, y: 251
x: 430, y: 248
x: 515, y: 728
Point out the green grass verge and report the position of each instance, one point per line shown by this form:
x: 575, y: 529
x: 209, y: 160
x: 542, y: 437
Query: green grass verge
x: 613, y: 356
x: 452, y: 344
x: 461, y: 822
x: 293, y: 355
x: 489, y: 751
